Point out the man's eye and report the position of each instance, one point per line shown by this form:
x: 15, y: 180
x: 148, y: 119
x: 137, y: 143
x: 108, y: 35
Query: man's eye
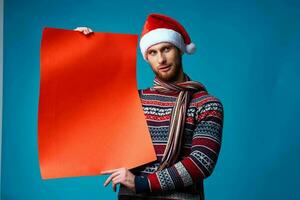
x: 167, y: 49
x: 152, y: 53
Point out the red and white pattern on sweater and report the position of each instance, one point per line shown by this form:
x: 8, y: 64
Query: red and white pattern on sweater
x: 201, y: 140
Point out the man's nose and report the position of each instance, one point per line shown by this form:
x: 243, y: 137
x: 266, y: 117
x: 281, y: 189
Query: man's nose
x: 161, y: 58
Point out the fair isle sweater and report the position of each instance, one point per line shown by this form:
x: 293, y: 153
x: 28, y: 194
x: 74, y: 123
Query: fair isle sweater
x: 199, y: 152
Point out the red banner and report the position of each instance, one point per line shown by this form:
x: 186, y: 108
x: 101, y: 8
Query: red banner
x: 90, y: 115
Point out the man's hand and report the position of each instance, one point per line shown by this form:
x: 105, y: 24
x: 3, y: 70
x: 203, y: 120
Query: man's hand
x: 84, y: 30
x: 122, y: 176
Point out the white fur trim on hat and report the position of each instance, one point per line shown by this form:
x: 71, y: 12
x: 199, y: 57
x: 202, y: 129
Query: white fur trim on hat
x: 162, y: 35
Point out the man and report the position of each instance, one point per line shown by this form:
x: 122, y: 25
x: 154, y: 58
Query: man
x: 184, y: 121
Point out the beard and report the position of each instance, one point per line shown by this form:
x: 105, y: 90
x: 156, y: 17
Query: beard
x: 171, y: 76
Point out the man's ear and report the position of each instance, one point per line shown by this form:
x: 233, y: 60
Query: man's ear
x: 181, y: 52
x: 146, y: 58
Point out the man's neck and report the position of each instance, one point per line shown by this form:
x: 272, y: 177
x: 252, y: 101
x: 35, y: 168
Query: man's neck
x: 181, y: 78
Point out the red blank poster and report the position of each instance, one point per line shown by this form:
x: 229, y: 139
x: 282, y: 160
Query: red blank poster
x: 90, y: 116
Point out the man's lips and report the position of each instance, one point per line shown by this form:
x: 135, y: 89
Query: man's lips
x: 164, y: 68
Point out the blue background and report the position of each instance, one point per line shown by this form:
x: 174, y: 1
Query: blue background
x: 248, y: 56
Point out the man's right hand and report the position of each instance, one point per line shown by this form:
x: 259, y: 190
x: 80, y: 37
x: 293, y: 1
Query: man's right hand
x: 84, y: 30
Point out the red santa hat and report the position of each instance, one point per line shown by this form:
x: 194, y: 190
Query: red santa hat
x: 160, y: 28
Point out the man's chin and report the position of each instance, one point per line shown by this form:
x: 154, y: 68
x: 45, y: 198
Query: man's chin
x: 167, y: 77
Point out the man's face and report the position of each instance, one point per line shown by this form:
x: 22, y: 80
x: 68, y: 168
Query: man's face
x: 165, y: 60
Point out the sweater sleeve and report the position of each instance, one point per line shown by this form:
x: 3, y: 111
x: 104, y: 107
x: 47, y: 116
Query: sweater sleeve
x: 206, y: 144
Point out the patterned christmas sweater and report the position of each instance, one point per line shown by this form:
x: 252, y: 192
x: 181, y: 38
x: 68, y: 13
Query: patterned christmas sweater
x: 200, y: 149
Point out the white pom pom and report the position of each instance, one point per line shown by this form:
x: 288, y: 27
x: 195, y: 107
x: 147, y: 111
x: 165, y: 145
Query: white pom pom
x: 190, y: 48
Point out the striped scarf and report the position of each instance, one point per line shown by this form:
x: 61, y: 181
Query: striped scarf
x: 185, y: 89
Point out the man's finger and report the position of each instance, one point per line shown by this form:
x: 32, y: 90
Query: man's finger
x: 109, y: 171
x: 113, y: 175
x: 116, y: 179
x: 109, y: 179
x: 114, y: 186
x: 79, y: 29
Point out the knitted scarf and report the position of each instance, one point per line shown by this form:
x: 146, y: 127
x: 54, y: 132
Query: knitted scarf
x: 185, y: 89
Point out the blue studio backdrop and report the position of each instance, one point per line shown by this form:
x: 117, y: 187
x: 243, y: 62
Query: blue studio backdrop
x: 247, y: 56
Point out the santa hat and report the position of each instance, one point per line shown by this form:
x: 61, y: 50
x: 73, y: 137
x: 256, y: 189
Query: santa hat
x: 160, y: 28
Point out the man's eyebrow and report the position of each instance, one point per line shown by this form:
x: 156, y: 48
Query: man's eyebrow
x: 161, y: 48
x: 151, y: 50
